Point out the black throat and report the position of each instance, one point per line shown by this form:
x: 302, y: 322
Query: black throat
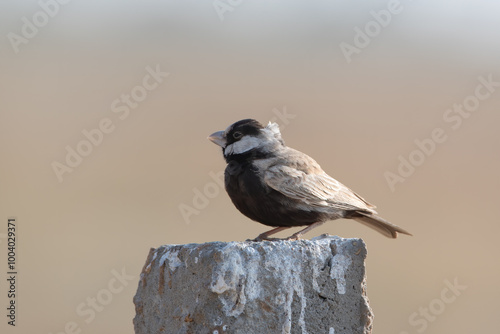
x: 248, y: 156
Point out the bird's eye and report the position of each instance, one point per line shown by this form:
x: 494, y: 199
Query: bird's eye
x: 237, y: 135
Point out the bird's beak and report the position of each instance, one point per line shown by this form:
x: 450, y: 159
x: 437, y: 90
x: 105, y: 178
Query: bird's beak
x: 218, y: 138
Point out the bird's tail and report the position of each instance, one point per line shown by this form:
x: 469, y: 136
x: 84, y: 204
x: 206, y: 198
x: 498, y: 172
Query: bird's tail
x: 379, y: 224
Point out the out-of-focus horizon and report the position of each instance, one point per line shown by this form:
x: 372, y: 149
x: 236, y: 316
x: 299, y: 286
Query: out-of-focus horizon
x: 105, y: 110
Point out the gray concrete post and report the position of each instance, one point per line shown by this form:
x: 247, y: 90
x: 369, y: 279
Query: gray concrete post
x: 305, y: 286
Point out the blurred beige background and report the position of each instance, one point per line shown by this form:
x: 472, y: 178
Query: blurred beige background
x: 227, y: 61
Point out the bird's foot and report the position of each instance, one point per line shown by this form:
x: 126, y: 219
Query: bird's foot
x: 293, y: 237
x: 322, y: 236
x: 263, y: 237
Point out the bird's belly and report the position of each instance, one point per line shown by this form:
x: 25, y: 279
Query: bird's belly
x: 261, y: 203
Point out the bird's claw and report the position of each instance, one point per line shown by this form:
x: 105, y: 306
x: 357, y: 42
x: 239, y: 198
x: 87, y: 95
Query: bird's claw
x: 263, y: 238
x: 266, y: 238
x: 293, y: 237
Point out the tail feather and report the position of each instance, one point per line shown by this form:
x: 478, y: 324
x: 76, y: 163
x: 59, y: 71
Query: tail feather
x: 379, y: 224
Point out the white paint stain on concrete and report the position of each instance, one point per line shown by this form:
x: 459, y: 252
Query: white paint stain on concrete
x: 236, y: 280
x: 339, y: 266
x: 173, y: 259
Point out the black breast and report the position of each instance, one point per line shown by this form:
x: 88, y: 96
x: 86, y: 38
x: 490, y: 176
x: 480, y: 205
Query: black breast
x: 261, y: 203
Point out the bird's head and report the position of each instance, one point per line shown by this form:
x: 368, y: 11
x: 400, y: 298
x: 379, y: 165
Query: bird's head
x: 246, y: 136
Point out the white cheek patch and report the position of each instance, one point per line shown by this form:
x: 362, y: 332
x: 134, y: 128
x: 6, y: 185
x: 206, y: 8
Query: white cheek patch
x: 243, y: 145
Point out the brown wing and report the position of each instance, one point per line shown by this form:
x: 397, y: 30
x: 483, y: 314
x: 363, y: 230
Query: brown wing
x: 308, y: 183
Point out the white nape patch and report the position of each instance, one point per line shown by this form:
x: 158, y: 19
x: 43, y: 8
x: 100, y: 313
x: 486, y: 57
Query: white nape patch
x: 274, y: 129
x: 243, y: 145
x: 272, y: 133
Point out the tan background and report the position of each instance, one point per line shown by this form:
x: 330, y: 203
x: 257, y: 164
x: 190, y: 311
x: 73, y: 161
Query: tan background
x: 354, y: 118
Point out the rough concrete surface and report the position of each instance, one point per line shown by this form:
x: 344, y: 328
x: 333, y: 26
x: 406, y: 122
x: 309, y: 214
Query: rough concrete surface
x: 305, y: 286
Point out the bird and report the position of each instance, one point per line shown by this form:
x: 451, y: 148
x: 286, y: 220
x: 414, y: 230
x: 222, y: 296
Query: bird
x: 281, y: 187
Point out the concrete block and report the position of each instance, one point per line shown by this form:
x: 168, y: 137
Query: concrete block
x: 305, y: 286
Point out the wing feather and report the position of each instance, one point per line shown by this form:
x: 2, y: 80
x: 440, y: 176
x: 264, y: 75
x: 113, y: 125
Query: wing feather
x: 316, y: 189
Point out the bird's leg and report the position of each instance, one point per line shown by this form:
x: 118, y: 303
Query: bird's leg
x: 265, y: 235
x: 297, y: 235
